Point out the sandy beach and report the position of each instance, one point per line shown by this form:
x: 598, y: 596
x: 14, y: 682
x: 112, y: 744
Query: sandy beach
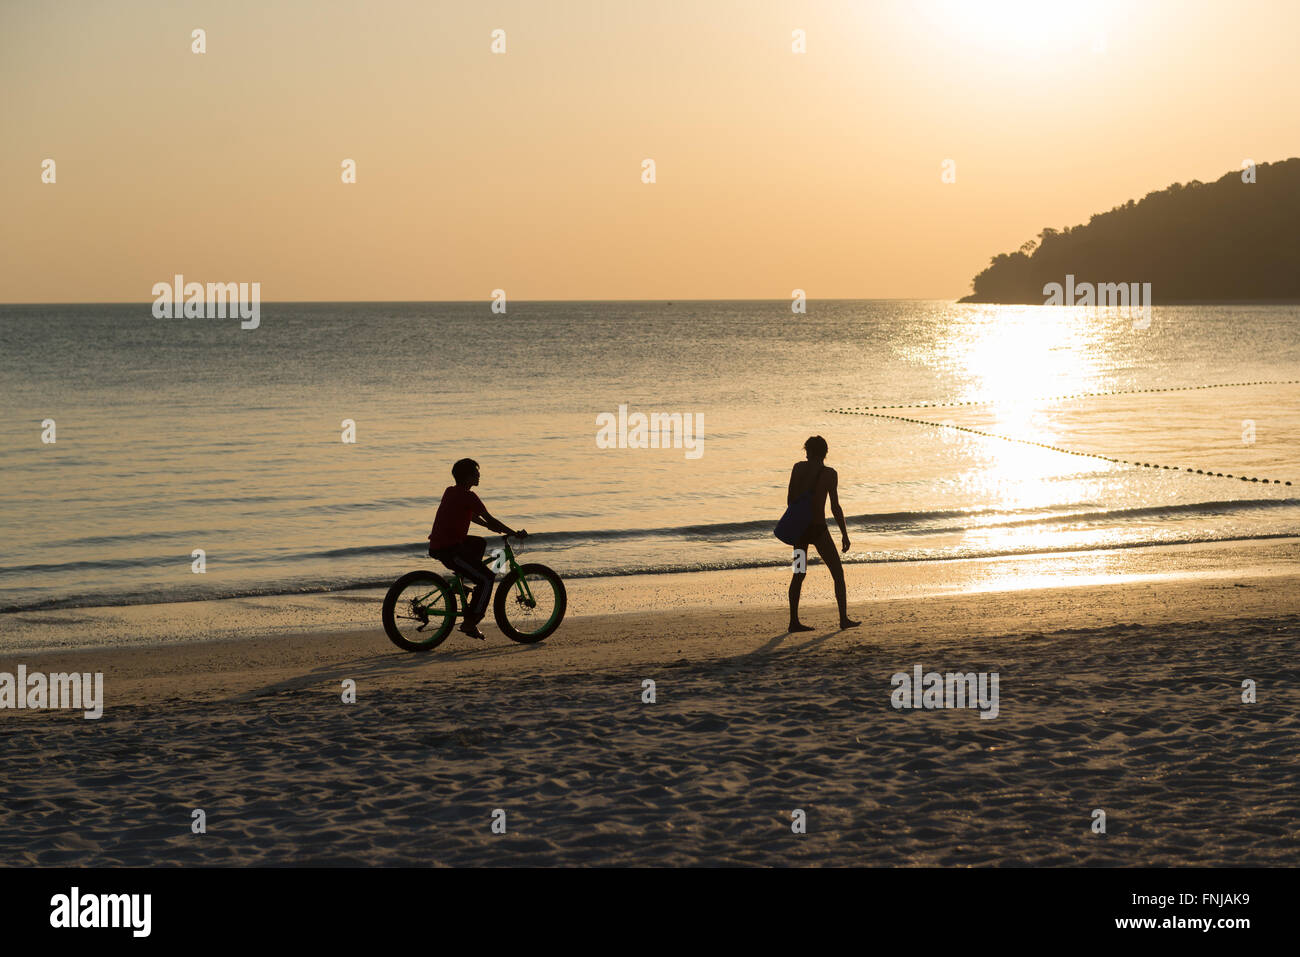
x: 1119, y: 692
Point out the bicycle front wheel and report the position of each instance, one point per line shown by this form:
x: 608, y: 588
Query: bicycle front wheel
x: 419, y: 611
x: 530, y: 603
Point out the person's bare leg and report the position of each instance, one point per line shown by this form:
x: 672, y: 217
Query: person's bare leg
x: 826, y: 549
x: 796, y: 586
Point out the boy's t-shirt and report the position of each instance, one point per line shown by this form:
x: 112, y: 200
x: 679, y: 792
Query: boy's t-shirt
x: 451, y: 523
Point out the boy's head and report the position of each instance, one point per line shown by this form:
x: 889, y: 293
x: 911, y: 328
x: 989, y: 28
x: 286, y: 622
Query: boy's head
x: 816, y: 448
x: 465, y: 472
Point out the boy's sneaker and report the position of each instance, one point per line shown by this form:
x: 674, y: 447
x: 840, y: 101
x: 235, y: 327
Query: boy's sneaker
x: 472, y: 631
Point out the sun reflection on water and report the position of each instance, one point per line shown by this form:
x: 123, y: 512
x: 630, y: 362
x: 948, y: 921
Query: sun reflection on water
x: 1012, y: 360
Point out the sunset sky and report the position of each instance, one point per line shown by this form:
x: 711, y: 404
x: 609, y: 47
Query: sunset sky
x: 522, y: 171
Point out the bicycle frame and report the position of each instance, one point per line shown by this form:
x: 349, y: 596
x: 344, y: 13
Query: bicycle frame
x: 458, y: 585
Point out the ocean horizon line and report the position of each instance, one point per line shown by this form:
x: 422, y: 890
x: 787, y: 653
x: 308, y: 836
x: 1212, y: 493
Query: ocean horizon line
x: 784, y: 300
x: 488, y: 299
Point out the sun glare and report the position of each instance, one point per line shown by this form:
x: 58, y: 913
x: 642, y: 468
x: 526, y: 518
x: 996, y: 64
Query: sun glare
x: 1024, y: 27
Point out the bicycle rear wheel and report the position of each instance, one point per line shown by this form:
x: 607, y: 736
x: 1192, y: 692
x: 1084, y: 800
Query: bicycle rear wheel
x: 419, y: 611
x: 530, y: 603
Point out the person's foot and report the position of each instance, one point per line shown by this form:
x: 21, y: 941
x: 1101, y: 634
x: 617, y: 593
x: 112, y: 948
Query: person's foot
x: 472, y: 631
x: 848, y: 623
x: 798, y: 626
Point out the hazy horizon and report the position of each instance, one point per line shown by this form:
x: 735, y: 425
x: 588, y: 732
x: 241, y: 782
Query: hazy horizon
x: 521, y: 171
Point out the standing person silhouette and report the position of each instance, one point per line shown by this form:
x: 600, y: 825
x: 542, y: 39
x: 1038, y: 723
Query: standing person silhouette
x: 824, y: 482
x: 451, y: 543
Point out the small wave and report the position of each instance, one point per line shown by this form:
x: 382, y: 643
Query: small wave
x: 1145, y: 511
x: 918, y: 522
x: 319, y: 587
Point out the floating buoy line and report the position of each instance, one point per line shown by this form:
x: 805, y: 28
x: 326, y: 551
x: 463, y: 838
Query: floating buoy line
x: 1057, y: 448
x: 1062, y: 398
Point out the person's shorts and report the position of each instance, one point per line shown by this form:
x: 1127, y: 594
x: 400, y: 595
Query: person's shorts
x: 454, y: 556
x: 812, y: 535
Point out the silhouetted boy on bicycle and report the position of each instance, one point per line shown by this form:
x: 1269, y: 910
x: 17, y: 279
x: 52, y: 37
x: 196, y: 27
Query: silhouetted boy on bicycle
x: 451, y: 543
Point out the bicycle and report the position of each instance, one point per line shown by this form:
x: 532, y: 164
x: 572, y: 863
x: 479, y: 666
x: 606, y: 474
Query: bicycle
x: 421, y: 607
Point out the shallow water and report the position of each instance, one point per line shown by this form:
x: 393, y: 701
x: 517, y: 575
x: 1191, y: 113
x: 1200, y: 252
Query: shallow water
x: 176, y: 435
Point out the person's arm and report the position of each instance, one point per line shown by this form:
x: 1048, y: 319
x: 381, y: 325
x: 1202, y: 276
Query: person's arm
x: 488, y: 522
x: 789, y: 494
x: 837, y: 511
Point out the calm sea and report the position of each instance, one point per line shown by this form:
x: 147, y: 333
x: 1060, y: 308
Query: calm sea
x: 173, y: 435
